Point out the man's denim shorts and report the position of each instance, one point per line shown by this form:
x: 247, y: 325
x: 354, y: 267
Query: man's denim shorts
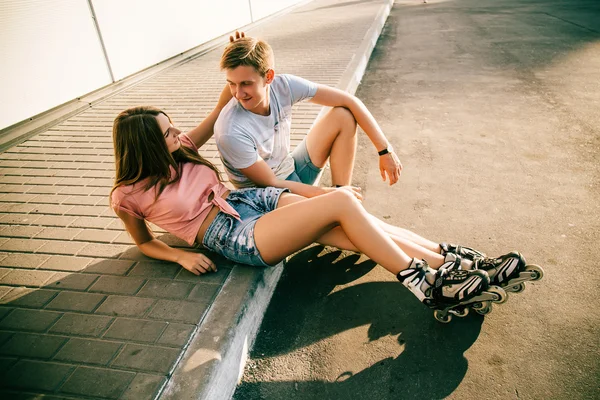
x: 305, y: 170
x: 234, y: 239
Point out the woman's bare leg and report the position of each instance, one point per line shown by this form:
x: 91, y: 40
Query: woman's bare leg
x: 413, y: 248
x: 337, y: 238
x: 409, y: 235
x: 294, y: 226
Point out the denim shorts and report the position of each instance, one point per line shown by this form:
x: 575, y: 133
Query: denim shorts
x: 234, y: 239
x: 305, y: 170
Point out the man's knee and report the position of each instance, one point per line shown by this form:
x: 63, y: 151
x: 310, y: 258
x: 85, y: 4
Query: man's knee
x: 345, y: 119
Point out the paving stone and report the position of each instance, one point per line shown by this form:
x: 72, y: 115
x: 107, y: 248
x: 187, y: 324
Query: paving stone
x: 4, y: 337
x: 54, y: 220
x: 75, y: 301
x: 90, y: 211
x: 4, y: 272
x: 21, y: 231
x: 66, y: 263
x: 117, y: 285
x: 88, y: 351
x: 32, y: 345
x: 18, y: 218
x: 23, y: 277
x: 4, y: 311
x: 30, y: 320
x: 97, y: 235
x: 203, y: 293
x: 138, y: 330
x: 143, y: 386
x: 162, y: 288
x: 215, y: 278
x: 62, y: 247
x: 179, y: 311
x: 103, y: 250
x: 62, y: 280
x: 91, y: 222
x: 58, y: 233
x: 123, y: 238
x: 155, y: 270
x: 51, y: 209
x: 111, y: 267
x: 4, y: 290
x: 176, y: 334
x: 77, y: 190
x: 24, y: 245
x: 98, y: 382
x: 29, y: 298
x: 36, y: 375
x: 6, y: 363
x: 146, y: 358
x: 127, y: 306
x: 50, y: 198
x: 22, y: 260
x: 81, y: 324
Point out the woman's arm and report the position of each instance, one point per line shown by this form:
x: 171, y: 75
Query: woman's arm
x: 204, y: 131
x: 200, y: 134
x: 196, y: 263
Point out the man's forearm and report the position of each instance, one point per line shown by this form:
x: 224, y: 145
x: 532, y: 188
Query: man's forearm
x: 367, y: 122
x: 298, y: 188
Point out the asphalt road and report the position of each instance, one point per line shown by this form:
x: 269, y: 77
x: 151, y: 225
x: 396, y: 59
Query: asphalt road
x: 493, y: 107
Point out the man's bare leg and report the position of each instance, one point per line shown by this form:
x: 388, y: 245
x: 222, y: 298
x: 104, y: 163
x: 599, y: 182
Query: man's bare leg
x: 334, y: 137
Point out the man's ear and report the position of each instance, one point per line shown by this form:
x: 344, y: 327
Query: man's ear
x: 270, y: 75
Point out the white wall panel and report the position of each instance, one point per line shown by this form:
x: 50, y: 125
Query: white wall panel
x: 50, y: 54
x: 264, y: 8
x: 141, y: 33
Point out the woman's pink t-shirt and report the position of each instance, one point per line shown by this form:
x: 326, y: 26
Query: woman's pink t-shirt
x: 182, y: 206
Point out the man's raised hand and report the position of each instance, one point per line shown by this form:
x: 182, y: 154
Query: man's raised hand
x: 238, y: 35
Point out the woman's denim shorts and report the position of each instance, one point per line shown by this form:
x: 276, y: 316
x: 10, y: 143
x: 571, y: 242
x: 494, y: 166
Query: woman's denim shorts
x: 234, y: 239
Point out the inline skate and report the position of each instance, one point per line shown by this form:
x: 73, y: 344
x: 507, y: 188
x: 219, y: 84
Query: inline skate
x: 509, y: 271
x: 450, y: 290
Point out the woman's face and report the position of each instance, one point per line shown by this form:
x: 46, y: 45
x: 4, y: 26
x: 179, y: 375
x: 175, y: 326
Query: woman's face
x: 170, y: 133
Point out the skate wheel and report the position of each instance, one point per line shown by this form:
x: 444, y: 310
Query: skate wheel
x: 460, y: 312
x: 499, y: 294
x: 536, y: 270
x: 516, y: 288
x: 483, y: 308
x: 442, y: 317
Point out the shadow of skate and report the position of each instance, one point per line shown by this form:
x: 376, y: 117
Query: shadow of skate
x: 430, y: 364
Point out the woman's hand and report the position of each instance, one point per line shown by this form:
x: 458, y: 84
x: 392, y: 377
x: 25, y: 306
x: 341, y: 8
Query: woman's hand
x: 196, y: 263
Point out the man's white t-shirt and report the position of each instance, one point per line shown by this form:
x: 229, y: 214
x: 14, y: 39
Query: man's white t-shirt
x: 243, y: 137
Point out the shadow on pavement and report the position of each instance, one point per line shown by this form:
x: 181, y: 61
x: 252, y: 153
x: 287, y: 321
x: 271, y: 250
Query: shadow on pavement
x: 304, y: 310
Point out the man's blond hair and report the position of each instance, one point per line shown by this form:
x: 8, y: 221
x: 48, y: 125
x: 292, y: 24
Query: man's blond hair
x: 248, y: 51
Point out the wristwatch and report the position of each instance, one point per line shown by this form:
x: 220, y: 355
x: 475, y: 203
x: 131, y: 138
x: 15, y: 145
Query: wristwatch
x: 385, y: 151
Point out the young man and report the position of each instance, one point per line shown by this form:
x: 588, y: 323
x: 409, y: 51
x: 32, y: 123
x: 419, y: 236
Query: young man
x: 253, y: 130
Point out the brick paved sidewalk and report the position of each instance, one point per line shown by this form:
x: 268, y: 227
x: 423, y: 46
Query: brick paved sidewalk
x: 83, y: 313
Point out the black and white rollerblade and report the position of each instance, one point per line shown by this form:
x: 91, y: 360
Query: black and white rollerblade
x: 509, y: 271
x: 461, y: 251
x: 450, y: 290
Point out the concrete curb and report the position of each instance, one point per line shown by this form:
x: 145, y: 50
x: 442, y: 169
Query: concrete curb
x: 214, y: 361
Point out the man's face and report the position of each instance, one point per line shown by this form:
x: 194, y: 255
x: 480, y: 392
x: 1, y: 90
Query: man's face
x: 249, y: 88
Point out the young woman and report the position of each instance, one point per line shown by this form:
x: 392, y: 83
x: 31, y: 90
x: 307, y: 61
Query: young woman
x: 161, y: 178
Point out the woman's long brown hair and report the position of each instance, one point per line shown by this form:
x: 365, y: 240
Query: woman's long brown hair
x: 141, y: 151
